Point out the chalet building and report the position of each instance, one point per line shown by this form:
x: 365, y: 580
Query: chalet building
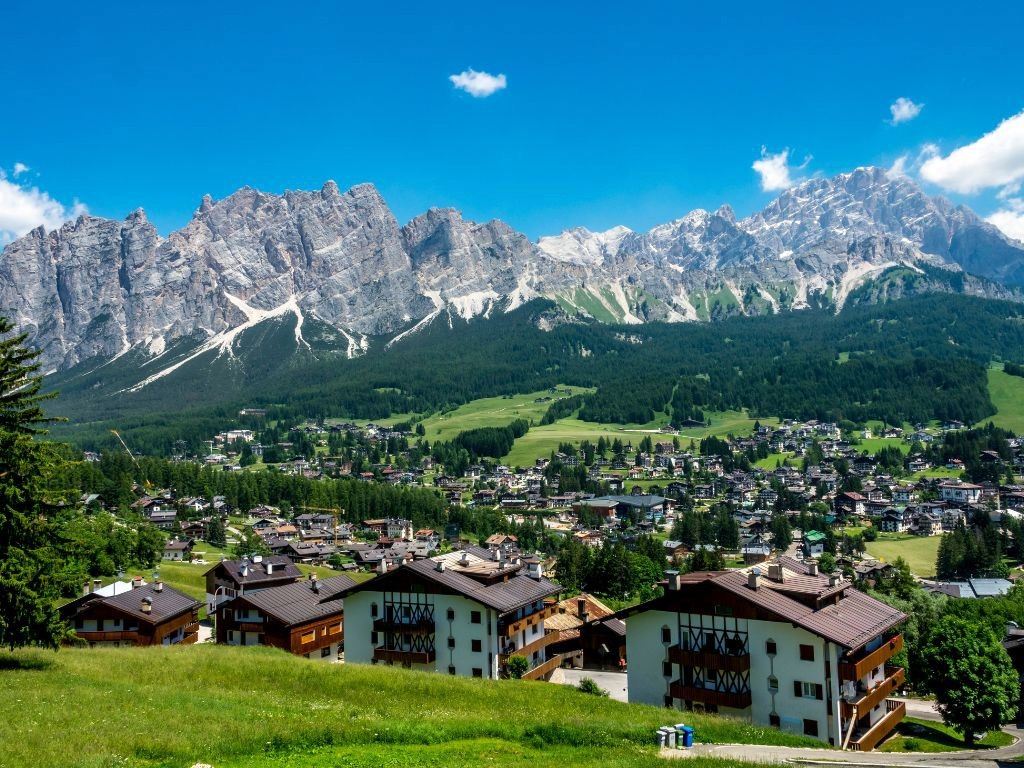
x: 178, y: 549
x: 132, y: 613
x: 463, y: 613
x: 850, y: 504
x: 960, y: 493
x: 777, y: 644
x: 391, y: 527
x: 230, y: 578
x: 292, y: 617
x: 588, y: 633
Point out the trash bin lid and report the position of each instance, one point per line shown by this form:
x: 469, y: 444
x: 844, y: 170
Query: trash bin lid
x: 687, y: 729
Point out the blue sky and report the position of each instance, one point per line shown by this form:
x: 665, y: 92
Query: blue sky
x: 625, y: 113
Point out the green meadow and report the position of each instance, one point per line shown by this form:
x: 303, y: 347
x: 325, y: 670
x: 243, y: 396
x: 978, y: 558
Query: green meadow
x: 1007, y: 393
x: 232, y: 707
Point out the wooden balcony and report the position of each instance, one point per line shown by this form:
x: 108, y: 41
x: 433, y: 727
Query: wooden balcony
x: 895, y: 712
x: 855, y: 669
x: 404, y: 657
x: 549, y: 609
x: 118, y: 636
x: 397, y: 626
x: 249, y: 626
x: 709, y: 659
x: 708, y: 696
x: 543, y: 669
x: 530, y: 648
x: 895, y: 677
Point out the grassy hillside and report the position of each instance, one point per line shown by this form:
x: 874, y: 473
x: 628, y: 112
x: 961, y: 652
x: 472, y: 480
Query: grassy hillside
x: 1007, y: 393
x: 920, y: 552
x: 234, y: 707
x: 541, y: 441
x: 494, y: 412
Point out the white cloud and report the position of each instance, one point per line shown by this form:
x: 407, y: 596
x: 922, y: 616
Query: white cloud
x: 904, y: 110
x: 20, y: 168
x: 478, y: 84
x: 775, y: 170
x: 994, y: 160
x: 23, y: 208
x: 1010, y: 217
x: 899, y: 168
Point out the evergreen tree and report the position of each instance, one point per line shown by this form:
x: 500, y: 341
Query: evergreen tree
x: 28, y: 587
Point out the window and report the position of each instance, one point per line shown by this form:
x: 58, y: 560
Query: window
x: 666, y: 635
x: 808, y: 690
x: 723, y: 610
x: 806, y: 653
x: 668, y: 701
x: 773, y: 684
x: 451, y: 670
x: 770, y: 648
x: 373, y: 610
x: 334, y: 629
x: 451, y: 614
x: 666, y: 668
x: 810, y: 727
x: 373, y: 638
x: 308, y: 637
x: 477, y: 672
x: 477, y: 646
x: 325, y: 652
x: 231, y: 636
x: 474, y: 617
x: 774, y: 720
x: 451, y: 642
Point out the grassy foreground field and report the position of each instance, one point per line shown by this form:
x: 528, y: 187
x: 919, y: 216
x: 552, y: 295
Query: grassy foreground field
x: 234, y: 707
x: 920, y: 552
x: 1007, y: 393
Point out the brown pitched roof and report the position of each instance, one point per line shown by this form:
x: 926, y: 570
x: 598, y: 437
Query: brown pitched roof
x: 166, y: 603
x: 297, y: 603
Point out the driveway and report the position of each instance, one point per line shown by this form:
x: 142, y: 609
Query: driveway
x: 613, y: 682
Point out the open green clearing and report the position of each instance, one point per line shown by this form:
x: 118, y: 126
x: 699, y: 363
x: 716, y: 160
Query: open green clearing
x: 233, y: 707
x: 539, y: 442
x: 874, y: 444
x: 913, y: 735
x: 773, y: 460
x: 920, y: 552
x: 494, y: 412
x: 1007, y: 393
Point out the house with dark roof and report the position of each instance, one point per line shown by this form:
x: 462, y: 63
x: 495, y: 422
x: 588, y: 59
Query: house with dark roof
x: 132, y: 613
x: 776, y: 644
x: 178, y: 549
x: 293, y: 617
x: 230, y: 578
x: 463, y: 613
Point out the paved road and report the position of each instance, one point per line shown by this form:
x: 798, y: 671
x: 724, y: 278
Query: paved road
x: 923, y: 710
x: 613, y: 682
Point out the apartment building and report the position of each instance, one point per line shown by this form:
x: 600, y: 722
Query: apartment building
x: 132, y: 613
x: 776, y: 644
x: 293, y: 617
x: 462, y: 613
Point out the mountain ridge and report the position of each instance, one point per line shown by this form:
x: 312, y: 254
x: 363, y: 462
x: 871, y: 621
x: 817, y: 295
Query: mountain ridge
x: 95, y: 288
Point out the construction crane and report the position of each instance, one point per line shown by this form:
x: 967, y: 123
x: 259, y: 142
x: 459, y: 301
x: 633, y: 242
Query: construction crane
x: 145, y: 483
x: 335, y: 513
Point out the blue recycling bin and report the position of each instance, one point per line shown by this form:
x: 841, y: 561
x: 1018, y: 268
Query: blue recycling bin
x: 686, y: 736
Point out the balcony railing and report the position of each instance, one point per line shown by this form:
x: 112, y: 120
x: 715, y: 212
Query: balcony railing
x: 530, y: 648
x: 396, y: 625
x: 549, y: 610
x: 542, y: 669
x: 108, y: 637
x: 895, y: 677
x: 709, y: 659
x: 735, y: 700
x: 895, y: 712
x: 404, y: 657
x: 855, y: 669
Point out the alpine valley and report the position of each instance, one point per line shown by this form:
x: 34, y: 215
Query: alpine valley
x: 258, y: 283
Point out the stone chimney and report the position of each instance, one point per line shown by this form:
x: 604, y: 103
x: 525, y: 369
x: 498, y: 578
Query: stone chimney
x: 85, y: 588
x: 581, y: 609
x: 314, y: 583
x: 812, y: 568
x: 674, y: 580
x: 97, y: 583
x: 534, y: 570
x: 752, y: 577
x: 439, y: 566
x: 146, y: 605
x: 158, y: 586
x: 382, y: 567
x: 835, y: 578
x: 464, y: 560
x: 270, y: 568
x: 775, y: 572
